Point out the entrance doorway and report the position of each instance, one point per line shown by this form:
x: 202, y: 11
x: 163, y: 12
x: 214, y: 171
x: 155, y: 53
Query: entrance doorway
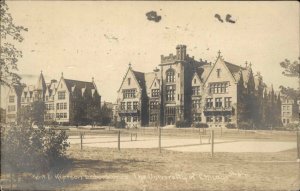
x: 170, y: 120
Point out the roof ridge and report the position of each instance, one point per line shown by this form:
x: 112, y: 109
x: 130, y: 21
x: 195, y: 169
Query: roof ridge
x: 78, y: 80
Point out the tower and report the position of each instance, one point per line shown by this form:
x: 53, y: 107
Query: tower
x: 40, y: 88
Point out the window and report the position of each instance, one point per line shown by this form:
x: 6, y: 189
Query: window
x: 23, y: 99
x: 170, y: 111
x: 65, y: 105
x: 221, y: 87
x: 283, y: 120
x: 209, y: 102
x: 196, y: 90
x: 128, y: 119
x: 218, y: 118
x: 11, y: 99
x: 195, y: 81
x: 227, y: 102
x: 227, y: 118
x: 129, y: 106
x: 129, y: 93
x: 197, y: 117
x: 287, y: 121
x: 135, y: 105
x: 57, y: 106
x: 122, y: 105
x: 218, y: 73
x: 170, y: 75
x: 155, y: 93
x: 196, y: 103
x: 218, y: 103
x: 170, y: 93
x: 153, y: 104
x: 65, y: 115
x: 209, y: 119
x: 61, y: 95
x: 11, y: 108
x: 122, y: 118
x: 128, y: 80
x: 153, y: 117
x: 135, y: 118
x: 47, y: 98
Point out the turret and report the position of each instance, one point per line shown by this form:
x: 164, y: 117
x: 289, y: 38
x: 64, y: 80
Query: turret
x: 181, y: 52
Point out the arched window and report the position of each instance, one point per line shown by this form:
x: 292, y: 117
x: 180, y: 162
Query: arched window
x: 170, y: 75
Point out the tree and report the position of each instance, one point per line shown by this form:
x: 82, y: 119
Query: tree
x: 106, y: 115
x: 9, y: 54
x: 34, y: 112
x: 291, y: 69
x: 290, y: 92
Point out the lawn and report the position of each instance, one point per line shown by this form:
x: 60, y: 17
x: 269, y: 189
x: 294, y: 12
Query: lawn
x: 96, y: 168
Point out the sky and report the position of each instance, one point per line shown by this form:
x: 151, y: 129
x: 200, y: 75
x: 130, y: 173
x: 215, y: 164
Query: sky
x: 99, y: 38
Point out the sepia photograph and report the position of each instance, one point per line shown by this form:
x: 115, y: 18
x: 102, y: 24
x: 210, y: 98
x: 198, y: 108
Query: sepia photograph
x: 149, y: 95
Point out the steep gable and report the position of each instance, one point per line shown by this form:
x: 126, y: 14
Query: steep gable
x: 155, y: 84
x: 196, y: 81
x: 220, y: 70
x: 133, y: 80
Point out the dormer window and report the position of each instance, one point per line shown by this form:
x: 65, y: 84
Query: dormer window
x: 195, y: 81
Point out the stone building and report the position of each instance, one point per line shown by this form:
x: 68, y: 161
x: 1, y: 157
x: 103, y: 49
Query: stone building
x: 289, y: 111
x: 66, y: 101
x: 184, y: 89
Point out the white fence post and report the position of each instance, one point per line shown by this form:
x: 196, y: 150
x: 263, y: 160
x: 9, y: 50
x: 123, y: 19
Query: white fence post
x: 212, y: 144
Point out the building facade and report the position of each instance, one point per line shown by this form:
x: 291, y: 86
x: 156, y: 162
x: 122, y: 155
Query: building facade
x: 289, y: 111
x: 66, y: 101
x: 184, y: 89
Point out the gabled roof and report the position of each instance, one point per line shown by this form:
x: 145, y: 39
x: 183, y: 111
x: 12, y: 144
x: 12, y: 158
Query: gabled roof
x: 234, y: 69
x: 18, y: 89
x: 150, y: 78
x: 79, y: 84
x: 140, y: 77
x: 203, y: 72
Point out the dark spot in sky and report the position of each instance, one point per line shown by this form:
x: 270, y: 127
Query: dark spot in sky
x: 219, y: 18
x: 166, y: 27
x: 32, y: 50
x: 152, y: 16
x: 228, y: 19
x: 111, y: 38
x: 207, y: 49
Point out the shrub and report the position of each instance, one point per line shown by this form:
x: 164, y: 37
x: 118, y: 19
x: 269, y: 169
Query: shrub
x: 182, y: 124
x: 230, y: 126
x: 33, y: 150
x: 292, y: 126
x: 245, y: 125
x: 201, y: 125
x: 120, y: 124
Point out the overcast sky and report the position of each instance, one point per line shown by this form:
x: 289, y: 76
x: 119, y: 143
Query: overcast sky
x: 99, y: 38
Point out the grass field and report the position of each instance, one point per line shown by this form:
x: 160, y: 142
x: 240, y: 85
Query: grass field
x: 99, y: 168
